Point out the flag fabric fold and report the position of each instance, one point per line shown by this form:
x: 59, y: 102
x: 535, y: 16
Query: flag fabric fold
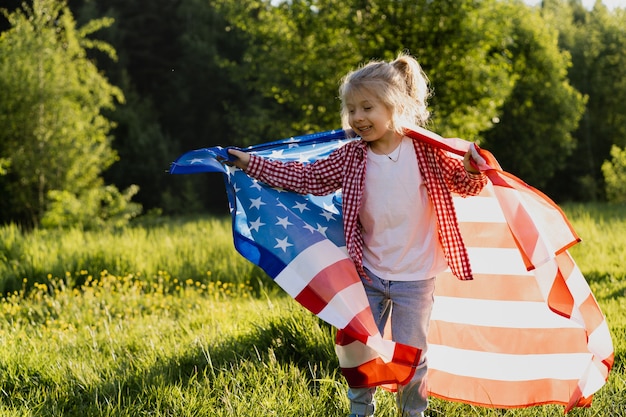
x: 526, y: 331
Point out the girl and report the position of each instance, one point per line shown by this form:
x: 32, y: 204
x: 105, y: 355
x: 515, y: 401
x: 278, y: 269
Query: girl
x: 399, y: 220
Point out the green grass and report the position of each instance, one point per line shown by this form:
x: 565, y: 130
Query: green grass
x: 167, y: 320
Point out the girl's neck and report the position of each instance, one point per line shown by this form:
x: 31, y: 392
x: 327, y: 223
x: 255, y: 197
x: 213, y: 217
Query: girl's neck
x: 386, y: 144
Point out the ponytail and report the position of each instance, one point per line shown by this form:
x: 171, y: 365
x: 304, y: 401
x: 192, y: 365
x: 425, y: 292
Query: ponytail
x: 401, y: 85
x: 416, y: 85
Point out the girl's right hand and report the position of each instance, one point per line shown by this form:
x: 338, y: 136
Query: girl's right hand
x: 243, y: 158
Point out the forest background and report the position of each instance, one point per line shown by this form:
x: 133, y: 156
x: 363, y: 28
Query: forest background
x: 97, y: 98
x: 118, y: 299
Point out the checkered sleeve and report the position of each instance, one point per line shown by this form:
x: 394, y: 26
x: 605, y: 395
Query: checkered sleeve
x: 321, y: 177
x: 457, y: 178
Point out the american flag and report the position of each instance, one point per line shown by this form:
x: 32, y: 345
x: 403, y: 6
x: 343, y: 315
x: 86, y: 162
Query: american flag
x: 526, y: 331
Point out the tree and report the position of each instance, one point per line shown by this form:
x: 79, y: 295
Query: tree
x: 596, y: 40
x: 615, y: 175
x: 533, y: 138
x: 462, y: 46
x: 54, y: 137
x: 289, y: 72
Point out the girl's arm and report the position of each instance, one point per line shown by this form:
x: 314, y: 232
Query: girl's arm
x: 461, y: 177
x: 319, y: 178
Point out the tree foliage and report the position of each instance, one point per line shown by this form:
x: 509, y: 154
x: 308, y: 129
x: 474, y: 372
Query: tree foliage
x: 54, y: 136
x: 541, y: 87
x: 533, y: 136
x: 614, y: 171
x: 596, y: 41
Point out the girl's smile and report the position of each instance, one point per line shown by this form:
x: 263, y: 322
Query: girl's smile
x: 371, y: 120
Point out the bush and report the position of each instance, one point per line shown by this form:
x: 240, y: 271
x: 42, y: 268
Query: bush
x: 96, y: 208
x: 614, y: 172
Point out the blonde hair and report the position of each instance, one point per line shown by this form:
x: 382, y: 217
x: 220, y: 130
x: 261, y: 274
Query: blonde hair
x: 401, y: 85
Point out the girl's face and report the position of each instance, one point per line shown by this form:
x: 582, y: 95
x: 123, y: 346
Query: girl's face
x: 368, y: 116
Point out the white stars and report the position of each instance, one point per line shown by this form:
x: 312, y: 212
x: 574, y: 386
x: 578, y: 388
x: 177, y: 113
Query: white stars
x: 196, y: 161
x: 283, y: 244
x: 283, y: 221
x: 301, y: 207
x: 277, y: 154
x: 327, y: 215
x: 256, y: 203
x: 303, y: 158
x: 322, y: 229
x: 255, y: 225
x: 255, y: 184
x: 231, y: 170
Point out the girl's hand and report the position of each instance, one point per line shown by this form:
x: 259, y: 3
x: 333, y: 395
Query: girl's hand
x: 243, y: 158
x: 467, y: 161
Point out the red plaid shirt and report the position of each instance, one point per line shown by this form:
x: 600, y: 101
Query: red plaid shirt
x: 345, y: 169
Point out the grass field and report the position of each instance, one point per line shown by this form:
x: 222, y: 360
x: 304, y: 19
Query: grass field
x: 165, y: 319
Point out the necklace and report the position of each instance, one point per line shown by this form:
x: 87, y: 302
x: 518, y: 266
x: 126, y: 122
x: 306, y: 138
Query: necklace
x: 397, y: 156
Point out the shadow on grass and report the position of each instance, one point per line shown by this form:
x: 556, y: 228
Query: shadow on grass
x: 297, y: 340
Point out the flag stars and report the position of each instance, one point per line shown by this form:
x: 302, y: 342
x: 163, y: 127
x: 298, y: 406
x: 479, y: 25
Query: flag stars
x: 283, y: 244
x: 231, y: 170
x: 322, y: 229
x: 327, y: 215
x: 276, y: 154
x: 255, y: 184
x: 256, y: 203
x: 283, y: 221
x: 301, y: 207
x: 255, y: 225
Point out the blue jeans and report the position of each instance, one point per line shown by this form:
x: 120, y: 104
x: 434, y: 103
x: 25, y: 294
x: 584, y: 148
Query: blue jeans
x: 409, y: 305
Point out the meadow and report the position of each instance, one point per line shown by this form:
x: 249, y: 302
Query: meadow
x: 164, y: 318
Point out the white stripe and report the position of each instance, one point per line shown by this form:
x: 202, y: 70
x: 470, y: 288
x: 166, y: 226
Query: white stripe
x: 544, y: 276
x: 478, y: 209
x: 600, y: 342
x: 507, y: 367
x: 356, y: 353
x: 594, y: 380
x: 497, y: 261
x: 577, y: 285
x: 304, y: 267
x: 346, y: 304
x: 495, y: 313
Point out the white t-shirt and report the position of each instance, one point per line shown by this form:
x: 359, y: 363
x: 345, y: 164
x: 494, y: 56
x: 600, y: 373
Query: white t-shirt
x: 399, y: 223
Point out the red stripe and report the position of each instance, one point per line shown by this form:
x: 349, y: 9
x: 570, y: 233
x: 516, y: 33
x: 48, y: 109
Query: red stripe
x: 326, y: 284
x: 501, y: 394
x: 487, y: 235
x: 360, y: 327
x: 591, y: 313
x: 560, y: 299
x: 507, y: 340
x: 490, y: 287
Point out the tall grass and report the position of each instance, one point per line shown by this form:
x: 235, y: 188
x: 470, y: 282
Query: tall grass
x: 198, y: 249
x: 168, y: 320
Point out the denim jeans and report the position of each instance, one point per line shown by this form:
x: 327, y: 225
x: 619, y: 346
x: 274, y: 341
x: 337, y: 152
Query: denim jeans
x: 409, y: 305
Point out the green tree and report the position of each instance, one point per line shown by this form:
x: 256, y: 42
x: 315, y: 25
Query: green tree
x: 462, y: 46
x: 614, y: 172
x: 533, y: 136
x: 295, y: 53
x: 54, y: 136
x: 596, y: 40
